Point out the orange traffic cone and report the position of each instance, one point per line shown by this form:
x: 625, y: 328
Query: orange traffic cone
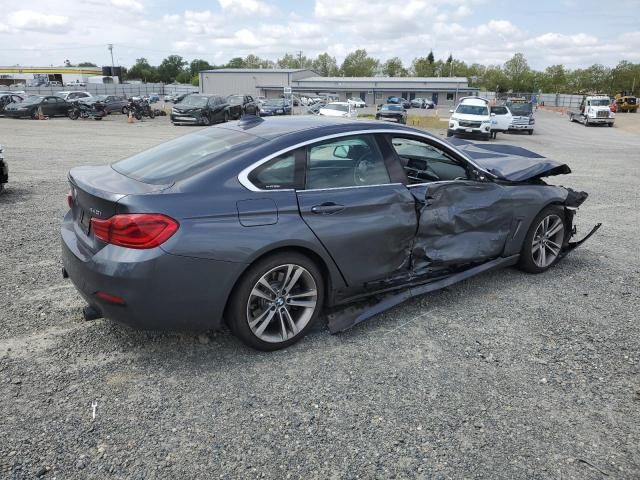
x: 130, y: 119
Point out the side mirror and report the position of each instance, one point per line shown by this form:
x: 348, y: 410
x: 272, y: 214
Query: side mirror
x: 451, y: 111
x: 341, y: 151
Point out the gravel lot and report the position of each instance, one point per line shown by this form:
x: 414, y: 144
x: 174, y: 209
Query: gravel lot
x: 504, y: 376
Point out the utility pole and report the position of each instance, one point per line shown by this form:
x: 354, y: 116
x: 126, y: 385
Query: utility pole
x: 300, y: 58
x: 110, y: 48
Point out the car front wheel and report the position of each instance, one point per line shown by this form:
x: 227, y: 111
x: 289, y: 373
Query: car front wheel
x: 276, y: 301
x: 544, y: 241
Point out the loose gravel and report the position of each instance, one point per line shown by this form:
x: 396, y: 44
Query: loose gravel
x: 506, y: 375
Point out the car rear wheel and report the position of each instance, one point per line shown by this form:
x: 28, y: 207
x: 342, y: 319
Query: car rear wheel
x: 276, y: 301
x: 226, y: 116
x: 205, y: 120
x: 544, y: 241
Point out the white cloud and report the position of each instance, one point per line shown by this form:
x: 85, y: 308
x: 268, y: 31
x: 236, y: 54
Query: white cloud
x: 245, y: 7
x: 39, y: 22
x: 132, y: 5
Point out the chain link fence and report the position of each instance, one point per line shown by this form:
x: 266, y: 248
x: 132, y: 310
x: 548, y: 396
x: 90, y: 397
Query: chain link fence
x: 123, y: 89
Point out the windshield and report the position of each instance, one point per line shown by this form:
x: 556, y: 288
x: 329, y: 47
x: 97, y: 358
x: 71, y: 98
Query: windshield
x: 337, y: 106
x: 600, y: 102
x: 32, y: 99
x: 185, y: 156
x: 395, y: 108
x: 235, y: 99
x: 194, y: 101
x: 520, y: 108
x: 472, y: 109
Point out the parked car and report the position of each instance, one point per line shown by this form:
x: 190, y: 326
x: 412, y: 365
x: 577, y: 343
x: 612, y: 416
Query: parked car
x: 76, y: 83
x: 8, y: 99
x: 339, y: 109
x: 420, y: 102
x: 471, y: 117
x: 152, y: 98
x: 266, y: 222
x: 242, y: 104
x: 73, y: 95
x: 199, y: 109
x: 111, y: 103
x: 51, y: 105
x: 260, y: 100
x: 400, y: 101
x: 358, y: 102
x: 392, y: 112
x: 4, y: 170
x: 522, y: 115
x: 274, y: 107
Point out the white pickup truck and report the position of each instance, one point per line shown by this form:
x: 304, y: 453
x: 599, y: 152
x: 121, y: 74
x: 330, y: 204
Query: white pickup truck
x: 594, y: 110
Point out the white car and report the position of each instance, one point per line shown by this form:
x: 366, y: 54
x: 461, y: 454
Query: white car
x: 471, y: 117
x: 339, y: 109
x: 358, y: 102
x: 72, y: 95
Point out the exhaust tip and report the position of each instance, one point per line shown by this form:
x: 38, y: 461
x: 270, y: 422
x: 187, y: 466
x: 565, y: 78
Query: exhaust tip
x: 90, y: 313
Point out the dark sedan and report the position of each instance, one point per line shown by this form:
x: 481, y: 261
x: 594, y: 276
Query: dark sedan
x: 200, y: 110
x: 275, y: 106
x: 392, y: 112
x: 268, y: 222
x: 7, y: 99
x: 111, y: 103
x: 49, y: 106
x: 242, y: 104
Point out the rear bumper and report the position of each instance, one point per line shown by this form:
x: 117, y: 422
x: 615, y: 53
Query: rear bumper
x: 161, y: 291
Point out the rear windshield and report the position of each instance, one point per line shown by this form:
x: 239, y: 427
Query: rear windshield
x: 185, y: 156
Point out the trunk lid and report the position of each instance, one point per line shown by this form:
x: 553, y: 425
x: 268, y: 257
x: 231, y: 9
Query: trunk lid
x: 96, y: 191
x: 509, y: 162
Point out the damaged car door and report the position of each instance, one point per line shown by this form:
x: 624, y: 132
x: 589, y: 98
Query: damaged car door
x: 464, y: 217
x: 366, y: 221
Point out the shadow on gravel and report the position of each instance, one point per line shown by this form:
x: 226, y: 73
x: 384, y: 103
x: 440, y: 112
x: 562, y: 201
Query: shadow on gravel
x: 13, y: 194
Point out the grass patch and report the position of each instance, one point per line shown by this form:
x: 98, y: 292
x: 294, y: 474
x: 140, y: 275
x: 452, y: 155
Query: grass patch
x: 426, y: 122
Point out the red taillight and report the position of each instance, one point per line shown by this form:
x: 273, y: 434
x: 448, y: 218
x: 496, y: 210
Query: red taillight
x: 135, y: 230
x: 108, y: 297
x: 70, y: 199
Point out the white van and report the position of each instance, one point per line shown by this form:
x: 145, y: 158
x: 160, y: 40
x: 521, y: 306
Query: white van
x: 471, y: 117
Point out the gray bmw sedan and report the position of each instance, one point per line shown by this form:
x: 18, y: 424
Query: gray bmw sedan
x: 266, y: 223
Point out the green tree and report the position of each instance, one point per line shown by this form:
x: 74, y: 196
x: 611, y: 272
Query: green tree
x: 171, y: 67
x: 359, y: 64
x: 143, y: 71
x: 517, y: 72
x: 87, y: 64
x: 494, y: 80
x: 393, y: 68
x: 422, y: 67
x: 184, y: 77
x: 554, y: 79
x: 197, y: 65
x: 195, y: 80
x: 294, y: 61
x: 430, y: 58
x: 326, y: 65
x: 236, y: 62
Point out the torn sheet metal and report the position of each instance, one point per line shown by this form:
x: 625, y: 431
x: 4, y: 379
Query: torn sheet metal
x: 460, y: 223
x: 341, y: 319
x: 509, y: 162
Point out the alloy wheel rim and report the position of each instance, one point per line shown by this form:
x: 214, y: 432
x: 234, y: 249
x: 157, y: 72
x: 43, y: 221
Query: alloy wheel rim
x: 281, y: 303
x: 547, y: 241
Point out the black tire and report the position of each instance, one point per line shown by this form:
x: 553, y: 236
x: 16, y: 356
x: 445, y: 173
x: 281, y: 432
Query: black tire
x: 486, y: 137
x: 237, y: 310
x: 138, y: 115
x: 97, y: 118
x: 124, y: 111
x: 530, y: 132
x: 526, y: 262
x: 449, y: 133
x: 205, y: 120
x: 610, y: 124
x: 225, y: 117
x: 73, y: 115
x: 152, y: 115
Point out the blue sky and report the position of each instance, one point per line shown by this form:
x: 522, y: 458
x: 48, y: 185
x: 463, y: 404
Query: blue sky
x: 576, y: 33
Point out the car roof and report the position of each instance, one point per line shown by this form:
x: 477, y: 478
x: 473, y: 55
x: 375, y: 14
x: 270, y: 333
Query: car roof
x: 474, y: 101
x: 277, y: 127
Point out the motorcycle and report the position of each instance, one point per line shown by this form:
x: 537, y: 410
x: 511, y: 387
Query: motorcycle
x: 140, y: 108
x: 82, y: 110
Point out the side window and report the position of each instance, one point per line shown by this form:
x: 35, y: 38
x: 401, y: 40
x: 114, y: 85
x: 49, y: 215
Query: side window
x: 249, y: 98
x: 499, y: 110
x: 424, y: 162
x: 278, y: 173
x: 346, y: 162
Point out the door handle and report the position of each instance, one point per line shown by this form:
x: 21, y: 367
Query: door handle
x: 327, y: 208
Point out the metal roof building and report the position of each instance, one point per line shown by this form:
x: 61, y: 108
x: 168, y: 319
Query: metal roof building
x: 306, y: 82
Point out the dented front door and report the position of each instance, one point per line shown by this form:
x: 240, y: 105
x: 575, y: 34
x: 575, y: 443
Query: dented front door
x: 460, y: 222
